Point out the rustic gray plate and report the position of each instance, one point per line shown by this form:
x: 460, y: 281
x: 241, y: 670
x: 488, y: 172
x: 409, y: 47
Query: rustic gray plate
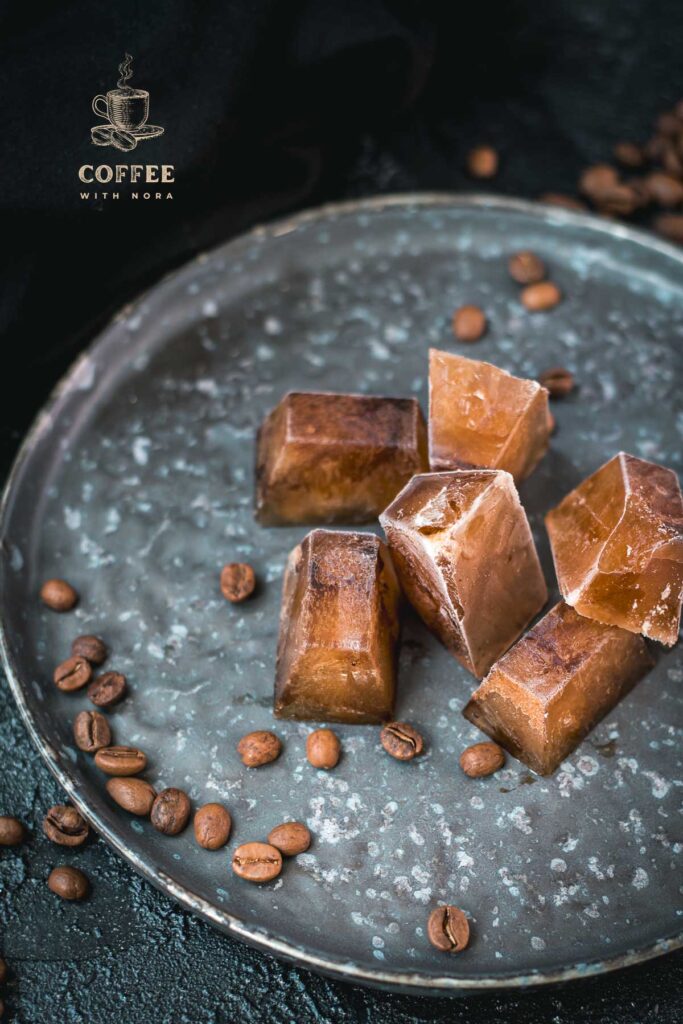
x: 135, y: 484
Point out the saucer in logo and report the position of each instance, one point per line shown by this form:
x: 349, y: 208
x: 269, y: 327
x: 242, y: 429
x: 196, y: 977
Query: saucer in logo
x: 126, y: 111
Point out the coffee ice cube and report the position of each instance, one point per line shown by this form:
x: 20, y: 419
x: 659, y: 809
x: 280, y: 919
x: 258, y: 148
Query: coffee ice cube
x: 542, y: 697
x: 325, y: 458
x: 479, y: 415
x: 336, y: 658
x: 617, y: 542
x: 466, y: 560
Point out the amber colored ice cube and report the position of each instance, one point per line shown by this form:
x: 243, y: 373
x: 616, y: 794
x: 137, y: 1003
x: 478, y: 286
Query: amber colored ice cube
x: 542, y: 697
x: 480, y: 415
x: 466, y: 560
x: 325, y: 458
x: 617, y: 542
x: 336, y: 658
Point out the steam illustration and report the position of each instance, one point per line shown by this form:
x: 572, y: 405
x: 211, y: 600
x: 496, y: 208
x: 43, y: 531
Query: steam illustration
x: 125, y: 111
x: 126, y: 73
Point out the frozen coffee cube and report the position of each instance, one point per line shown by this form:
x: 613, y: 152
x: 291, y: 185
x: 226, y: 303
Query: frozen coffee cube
x: 551, y: 688
x: 326, y: 458
x: 336, y: 658
x: 466, y: 560
x: 617, y: 542
x: 479, y: 415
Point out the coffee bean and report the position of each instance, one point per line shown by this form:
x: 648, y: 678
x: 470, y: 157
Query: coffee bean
x: 558, y: 381
x: 619, y: 201
x: 323, y: 748
x: 664, y: 189
x: 72, y: 674
x: 482, y: 162
x: 91, y: 731
x: 526, y: 268
x: 538, y: 298
x: 597, y: 179
x: 68, y: 883
x: 448, y: 929
x: 135, y: 795
x: 668, y: 124
x: 65, y: 826
x: 12, y: 832
x: 401, y: 741
x: 107, y: 689
x: 290, y: 838
x: 212, y: 825
x: 3, y: 971
x: 670, y: 225
x: 469, y: 323
x: 91, y: 648
x: 58, y: 595
x: 121, y: 760
x: 629, y: 154
x: 564, y: 201
x: 672, y: 161
x: 257, y: 862
x: 259, y: 748
x: 482, y: 759
x: 654, y: 148
x: 171, y: 811
x: 237, y: 582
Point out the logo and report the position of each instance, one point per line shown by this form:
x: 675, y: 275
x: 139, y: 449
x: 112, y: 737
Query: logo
x: 126, y: 111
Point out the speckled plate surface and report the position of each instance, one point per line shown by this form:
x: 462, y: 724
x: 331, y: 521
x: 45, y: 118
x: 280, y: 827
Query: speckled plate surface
x: 136, y: 485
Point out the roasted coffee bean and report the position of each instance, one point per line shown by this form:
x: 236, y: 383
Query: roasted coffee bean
x: 323, y: 748
x: 107, y: 689
x: 597, y: 179
x: 212, y: 825
x: 65, y: 826
x: 68, y: 883
x: 3, y: 971
x: 668, y: 124
x: 558, y: 381
x: 135, y: 795
x: 121, y: 760
x: 72, y: 674
x: 259, y: 748
x: 538, y: 298
x: 448, y: 929
x: 257, y: 862
x: 629, y: 154
x: 482, y: 162
x: 58, y: 595
x: 564, y: 201
x: 654, y: 147
x: 237, y: 582
x: 12, y: 832
x: 526, y: 268
x: 171, y: 811
x: 672, y: 161
x: 290, y: 838
x: 482, y: 759
x: 91, y: 731
x: 618, y: 201
x: 469, y: 323
x: 401, y: 741
x: 664, y: 189
x: 670, y: 225
x: 91, y: 648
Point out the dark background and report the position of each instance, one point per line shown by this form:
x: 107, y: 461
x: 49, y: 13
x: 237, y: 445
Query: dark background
x: 268, y: 106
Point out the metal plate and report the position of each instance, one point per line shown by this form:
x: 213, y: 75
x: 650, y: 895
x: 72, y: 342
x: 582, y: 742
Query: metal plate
x: 135, y: 484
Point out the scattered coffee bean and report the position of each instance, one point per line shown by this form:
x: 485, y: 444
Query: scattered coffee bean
x: 448, y: 929
x: 107, y: 689
x: 619, y: 201
x: 68, y: 883
x: 212, y: 825
x: 58, y: 595
x: 482, y: 162
x: 596, y: 180
x: 91, y: 648
x: 135, y: 795
x: 628, y: 154
x: 257, y: 862
x: 670, y: 225
x: 323, y: 748
x: 664, y: 189
x: 171, y: 811
x: 3, y: 971
x: 668, y: 124
x: 482, y: 759
x: 259, y: 748
x: 469, y: 323
x: 65, y: 826
x: 672, y: 160
x: 526, y: 268
x: 564, y: 201
x: 121, y: 760
x: 558, y: 381
x: 401, y: 741
x: 538, y: 298
x: 237, y: 582
x: 12, y: 832
x: 72, y: 674
x: 290, y: 838
x: 91, y: 731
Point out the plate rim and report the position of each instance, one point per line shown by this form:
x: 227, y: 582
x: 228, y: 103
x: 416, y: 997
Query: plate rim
x: 66, y: 774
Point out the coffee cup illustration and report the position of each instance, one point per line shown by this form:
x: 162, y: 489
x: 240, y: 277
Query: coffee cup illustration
x: 126, y: 112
